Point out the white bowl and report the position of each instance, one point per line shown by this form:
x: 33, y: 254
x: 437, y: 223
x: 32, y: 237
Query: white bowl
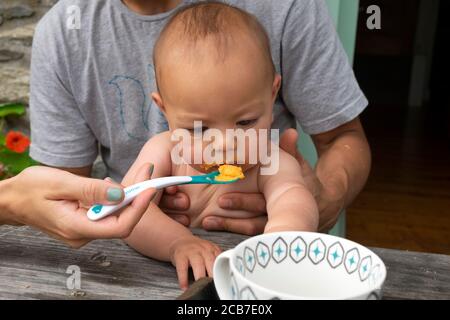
x: 298, y: 265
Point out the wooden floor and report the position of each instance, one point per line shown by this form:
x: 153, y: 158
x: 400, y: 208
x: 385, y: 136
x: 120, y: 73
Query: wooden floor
x: 406, y: 202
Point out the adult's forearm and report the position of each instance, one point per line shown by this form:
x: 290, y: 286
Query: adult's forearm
x: 344, y: 161
x: 6, y: 216
x: 84, y: 171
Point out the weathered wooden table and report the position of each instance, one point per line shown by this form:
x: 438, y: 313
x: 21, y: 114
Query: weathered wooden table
x: 33, y: 266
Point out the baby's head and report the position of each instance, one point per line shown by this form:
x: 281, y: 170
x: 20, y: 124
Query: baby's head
x: 213, y: 64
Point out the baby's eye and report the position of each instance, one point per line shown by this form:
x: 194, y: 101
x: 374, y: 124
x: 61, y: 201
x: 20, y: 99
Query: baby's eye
x: 246, y: 123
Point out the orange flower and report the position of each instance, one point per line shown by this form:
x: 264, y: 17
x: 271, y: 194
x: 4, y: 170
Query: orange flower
x: 17, y: 141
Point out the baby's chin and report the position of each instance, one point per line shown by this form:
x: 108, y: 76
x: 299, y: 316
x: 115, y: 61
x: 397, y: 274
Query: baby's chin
x: 208, y: 168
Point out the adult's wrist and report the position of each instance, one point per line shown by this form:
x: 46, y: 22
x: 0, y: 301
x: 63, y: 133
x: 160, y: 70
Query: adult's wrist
x: 336, y: 182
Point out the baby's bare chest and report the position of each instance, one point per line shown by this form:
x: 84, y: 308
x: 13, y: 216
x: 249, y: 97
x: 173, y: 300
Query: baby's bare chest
x: 204, y: 198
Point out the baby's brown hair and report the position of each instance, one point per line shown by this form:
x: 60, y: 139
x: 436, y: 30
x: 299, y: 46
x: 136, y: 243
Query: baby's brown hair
x: 216, y: 21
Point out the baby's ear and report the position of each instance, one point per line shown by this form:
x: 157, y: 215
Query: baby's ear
x: 158, y: 100
x: 276, y: 86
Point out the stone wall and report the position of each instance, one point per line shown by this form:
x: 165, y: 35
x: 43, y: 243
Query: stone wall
x: 18, y: 19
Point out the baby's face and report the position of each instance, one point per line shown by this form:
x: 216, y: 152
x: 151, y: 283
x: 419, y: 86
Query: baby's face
x: 236, y: 93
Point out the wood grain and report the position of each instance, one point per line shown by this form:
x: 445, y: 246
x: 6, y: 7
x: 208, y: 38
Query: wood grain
x: 33, y: 266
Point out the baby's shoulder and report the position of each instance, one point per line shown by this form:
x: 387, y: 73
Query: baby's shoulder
x: 157, y: 149
x: 162, y: 141
x: 281, y: 161
x: 283, y: 167
x: 286, y: 159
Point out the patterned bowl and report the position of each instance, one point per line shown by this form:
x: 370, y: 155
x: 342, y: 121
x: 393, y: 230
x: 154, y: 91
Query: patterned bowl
x: 298, y: 265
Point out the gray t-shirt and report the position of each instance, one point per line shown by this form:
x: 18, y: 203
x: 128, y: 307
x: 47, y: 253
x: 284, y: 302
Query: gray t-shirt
x: 92, y: 86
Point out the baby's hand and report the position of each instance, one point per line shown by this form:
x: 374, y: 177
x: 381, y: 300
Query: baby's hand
x: 196, y: 253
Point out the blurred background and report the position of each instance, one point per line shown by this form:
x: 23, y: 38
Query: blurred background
x: 403, y: 69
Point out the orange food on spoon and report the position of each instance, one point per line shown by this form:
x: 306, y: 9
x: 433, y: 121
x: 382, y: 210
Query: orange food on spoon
x: 229, y: 172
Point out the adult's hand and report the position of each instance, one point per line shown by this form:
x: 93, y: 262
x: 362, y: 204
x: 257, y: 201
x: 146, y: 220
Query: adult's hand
x: 56, y: 202
x: 254, y: 204
x: 339, y: 176
x: 329, y: 195
x: 174, y: 203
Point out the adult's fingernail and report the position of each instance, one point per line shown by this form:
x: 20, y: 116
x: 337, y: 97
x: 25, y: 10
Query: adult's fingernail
x: 178, y: 203
x: 212, y: 223
x: 114, y: 194
x: 152, y: 166
x: 226, y: 203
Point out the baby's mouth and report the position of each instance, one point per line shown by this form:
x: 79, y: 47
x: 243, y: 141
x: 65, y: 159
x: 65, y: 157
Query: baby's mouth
x: 209, y: 167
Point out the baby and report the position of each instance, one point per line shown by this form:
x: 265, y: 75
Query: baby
x: 213, y: 64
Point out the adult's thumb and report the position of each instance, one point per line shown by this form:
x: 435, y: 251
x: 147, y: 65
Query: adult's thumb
x: 90, y: 191
x: 288, y: 143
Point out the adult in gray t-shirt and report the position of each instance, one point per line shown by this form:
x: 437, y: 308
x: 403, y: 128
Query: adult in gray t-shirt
x: 91, y: 86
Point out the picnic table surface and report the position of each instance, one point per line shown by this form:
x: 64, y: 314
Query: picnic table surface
x: 34, y: 266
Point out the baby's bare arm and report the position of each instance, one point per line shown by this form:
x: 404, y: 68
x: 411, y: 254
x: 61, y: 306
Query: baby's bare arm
x: 160, y: 237
x: 290, y: 205
x: 156, y: 232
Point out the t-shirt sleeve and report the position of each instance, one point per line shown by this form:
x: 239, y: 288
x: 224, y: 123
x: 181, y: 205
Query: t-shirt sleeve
x: 319, y: 87
x: 59, y: 133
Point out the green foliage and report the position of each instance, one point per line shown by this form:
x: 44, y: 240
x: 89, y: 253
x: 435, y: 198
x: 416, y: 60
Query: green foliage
x: 11, y: 163
x: 11, y: 109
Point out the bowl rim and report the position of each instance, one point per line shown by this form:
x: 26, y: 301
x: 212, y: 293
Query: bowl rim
x: 375, y: 287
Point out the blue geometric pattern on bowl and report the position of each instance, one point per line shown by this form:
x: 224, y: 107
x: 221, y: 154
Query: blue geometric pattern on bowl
x: 317, y: 250
x: 263, y: 253
x: 279, y: 250
x: 375, y: 274
x: 234, y: 288
x: 247, y: 294
x: 297, y: 250
x: 365, y: 267
x: 352, y: 260
x: 240, y: 265
x: 335, y: 255
x: 249, y: 259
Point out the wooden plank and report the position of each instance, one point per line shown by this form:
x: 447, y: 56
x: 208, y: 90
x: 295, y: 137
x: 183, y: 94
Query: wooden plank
x: 412, y: 275
x: 32, y: 266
